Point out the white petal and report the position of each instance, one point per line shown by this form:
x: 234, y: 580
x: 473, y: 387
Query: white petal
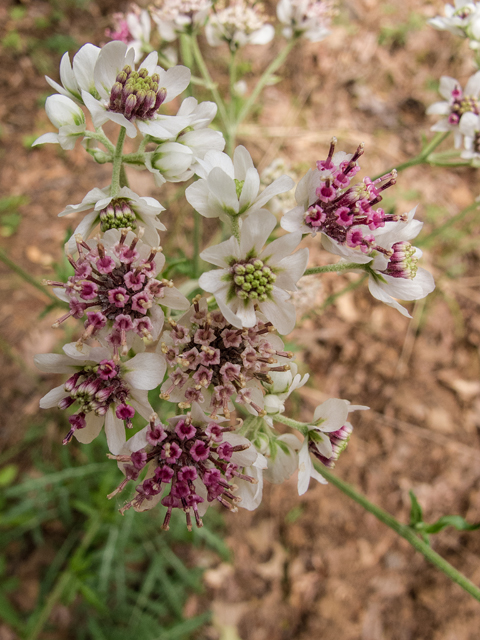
x: 256, y: 230
x: 281, y: 315
x: 91, y: 430
x: 55, y: 363
x: 212, y: 281
x: 145, y: 371
x: 221, y: 254
x: 223, y: 188
x: 242, y: 162
x: 250, y: 188
x: 115, y: 431
x: 53, y: 397
x: 334, y: 412
x: 280, y: 185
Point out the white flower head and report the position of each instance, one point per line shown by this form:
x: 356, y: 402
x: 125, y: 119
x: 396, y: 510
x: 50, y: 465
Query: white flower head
x: 127, y: 210
x: 104, y: 391
x: 238, y: 22
x: 470, y: 128
x: 308, y: 18
x: 393, y: 266
x: 132, y: 98
x: 179, y: 16
x: 132, y: 28
x: 326, y: 439
x: 456, y: 105
x: 461, y: 19
x: 229, y: 188
x: 69, y: 119
x: 254, y: 278
x: 282, y: 386
x: 191, y: 462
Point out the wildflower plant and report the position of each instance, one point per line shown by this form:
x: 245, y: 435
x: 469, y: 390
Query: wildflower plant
x: 216, y: 360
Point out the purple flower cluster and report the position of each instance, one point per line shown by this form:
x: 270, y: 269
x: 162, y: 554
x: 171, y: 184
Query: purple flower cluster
x: 136, y: 94
x: 95, y: 388
x: 339, y: 440
x: 188, y: 463
x: 212, y: 358
x: 116, y: 289
x: 340, y: 210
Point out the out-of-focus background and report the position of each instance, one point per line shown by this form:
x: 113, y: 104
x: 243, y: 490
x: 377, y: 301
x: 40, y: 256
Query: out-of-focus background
x: 297, y: 568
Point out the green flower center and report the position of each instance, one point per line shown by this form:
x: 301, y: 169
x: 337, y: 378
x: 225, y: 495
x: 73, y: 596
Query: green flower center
x: 118, y: 214
x: 252, y: 280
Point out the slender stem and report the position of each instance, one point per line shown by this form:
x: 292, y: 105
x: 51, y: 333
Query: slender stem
x: 300, y: 426
x: 117, y: 163
x: 233, y: 80
x: 450, y: 222
x: 137, y: 158
x: 403, y: 530
x: 334, y: 268
x: 264, y: 79
x: 102, y: 138
x: 422, y: 156
x: 197, y: 54
x: 236, y: 228
x: 351, y: 286
x: 27, y: 277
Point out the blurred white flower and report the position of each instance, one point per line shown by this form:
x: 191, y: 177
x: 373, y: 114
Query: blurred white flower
x: 178, y: 16
x: 132, y: 28
x: 308, y: 18
x: 456, y: 105
x: 238, y: 23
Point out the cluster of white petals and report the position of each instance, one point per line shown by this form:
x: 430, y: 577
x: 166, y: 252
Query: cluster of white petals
x: 462, y: 19
x: 238, y: 22
x: 307, y: 18
x: 177, y: 16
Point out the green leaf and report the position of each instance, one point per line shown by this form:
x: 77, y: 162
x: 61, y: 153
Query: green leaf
x: 416, y: 514
x: 449, y: 521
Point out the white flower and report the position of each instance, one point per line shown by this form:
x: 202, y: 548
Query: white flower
x: 457, y: 104
x: 239, y: 23
x: 133, y: 28
x: 470, y: 128
x: 460, y: 19
x: 229, y: 188
x: 106, y: 392
x: 126, y: 210
x: 325, y: 440
x: 170, y: 162
x: 283, y: 385
x: 69, y: 119
x: 393, y: 273
x: 80, y: 76
x: 281, y: 453
x: 132, y: 99
x: 178, y: 16
x: 251, y: 277
x: 307, y: 18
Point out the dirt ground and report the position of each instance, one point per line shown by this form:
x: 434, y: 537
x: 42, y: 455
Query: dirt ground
x: 319, y: 566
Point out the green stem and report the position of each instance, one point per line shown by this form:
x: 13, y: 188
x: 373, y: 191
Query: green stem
x: 123, y: 176
x: 197, y: 54
x: 117, y: 163
x: 264, y: 79
x: 137, y: 158
x: 102, y: 138
x: 450, y: 222
x: 236, y: 228
x: 334, y: 268
x: 294, y: 424
x: 27, y: 277
x: 403, y: 530
x: 422, y: 156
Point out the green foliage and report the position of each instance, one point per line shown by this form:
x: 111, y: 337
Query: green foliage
x: 424, y: 529
x: 121, y: 577
x: 395, y: 35
x: 9, y: 216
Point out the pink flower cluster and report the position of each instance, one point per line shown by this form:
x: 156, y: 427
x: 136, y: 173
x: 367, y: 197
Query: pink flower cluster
x: 341, y: 210
x: 187, y: 461
x: 116, y: 289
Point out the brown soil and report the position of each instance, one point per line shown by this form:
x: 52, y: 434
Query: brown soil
x: 319, y: 566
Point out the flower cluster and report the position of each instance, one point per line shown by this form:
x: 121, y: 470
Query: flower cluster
x: 462, y: 19
x: 220, y: 352
x: 308, y: 18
